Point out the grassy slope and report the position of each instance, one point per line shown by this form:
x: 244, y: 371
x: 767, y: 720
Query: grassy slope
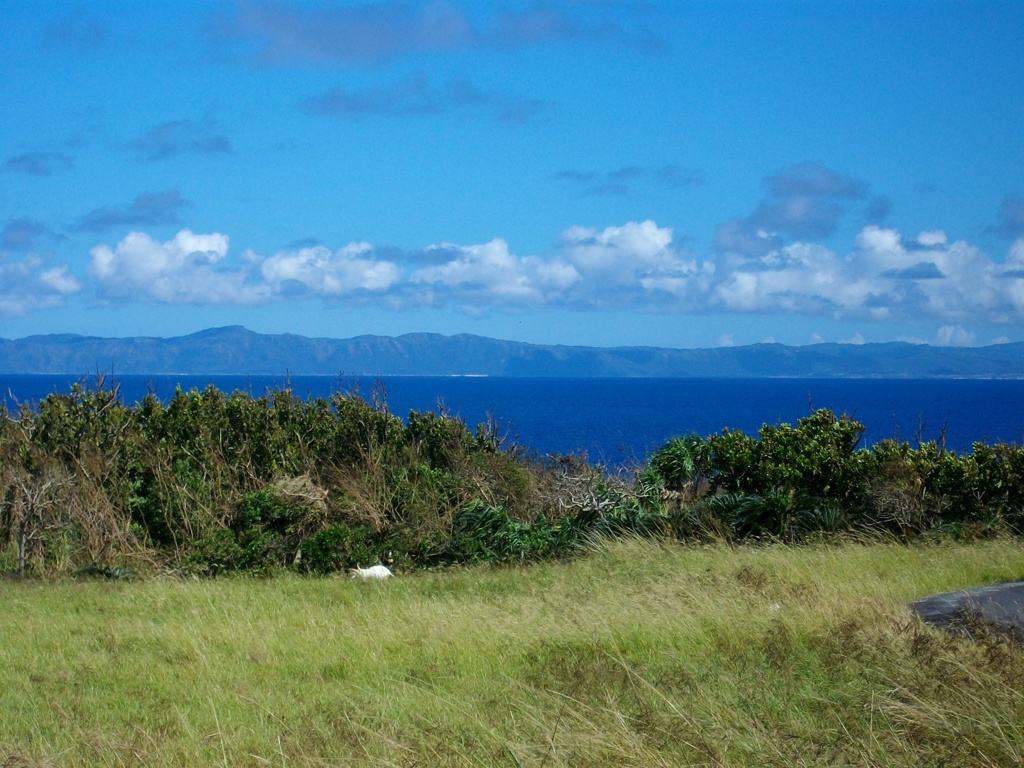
x: 639, y: 654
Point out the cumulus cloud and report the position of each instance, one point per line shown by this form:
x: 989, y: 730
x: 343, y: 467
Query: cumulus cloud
x: 27, y: 285
x: 40, y: 163
x: 635, y: 266
x: 180, y: 271
x: 630, y: 266
x: 489, y: 275
x: 619, y: 251
x: 318, y: 271
x: 622, y: 266
x: 378, y: 32
x: 148, y: 208
x: 197, y: 269
x: 179, y: 137
x: 416, y: 96
x: 59, y: 280
x: 885, y: 276
x: 954, y: 336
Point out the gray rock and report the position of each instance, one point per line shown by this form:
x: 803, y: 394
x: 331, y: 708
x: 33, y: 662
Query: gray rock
x: 1000, y: 606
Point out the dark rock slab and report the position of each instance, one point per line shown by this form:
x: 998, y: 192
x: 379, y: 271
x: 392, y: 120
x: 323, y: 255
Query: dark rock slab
x: 1000, y: 606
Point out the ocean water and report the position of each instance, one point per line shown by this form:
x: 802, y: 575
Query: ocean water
x: 621, y: 421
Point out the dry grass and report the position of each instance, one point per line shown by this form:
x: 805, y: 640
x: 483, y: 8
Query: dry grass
x: 638, y: 654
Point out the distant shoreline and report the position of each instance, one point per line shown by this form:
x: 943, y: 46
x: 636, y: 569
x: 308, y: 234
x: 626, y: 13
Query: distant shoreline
x: 236, y: 351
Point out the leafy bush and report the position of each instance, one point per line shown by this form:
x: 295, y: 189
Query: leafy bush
x: 228, y: 551
x: 682, y: 462
x: 484, y: 532
x: 440, y: 439
x: 337, y: 547
x: 818, y: 459
x: 218, y: 483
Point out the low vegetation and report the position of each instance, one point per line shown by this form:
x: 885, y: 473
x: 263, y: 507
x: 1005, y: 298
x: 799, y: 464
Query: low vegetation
x: 641, y: 653
x: 211, y: 483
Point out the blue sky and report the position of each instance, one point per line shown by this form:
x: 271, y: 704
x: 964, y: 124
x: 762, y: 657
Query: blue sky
x: 685, y: 174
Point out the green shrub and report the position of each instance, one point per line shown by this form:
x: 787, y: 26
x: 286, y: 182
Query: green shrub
x: 818, y: 459
x: 228, y: 551
x: 442, y: 440
x: 681, y: 462
x: 484, y: 532
x: 222, y: 483
x: 337, y: 547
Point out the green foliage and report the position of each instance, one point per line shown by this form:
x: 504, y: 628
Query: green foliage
x: 216, y: 483
x: 337, y: 547
x: 790, y: 482
x: 365, y: 432
x: 263, y: 509
x: 110, y: 572
x: 818, y: 458
x: 681, y: 462
x: 230, y: 551
x: 776, y: 514
x: 484, y: 532
x: 440, y: 439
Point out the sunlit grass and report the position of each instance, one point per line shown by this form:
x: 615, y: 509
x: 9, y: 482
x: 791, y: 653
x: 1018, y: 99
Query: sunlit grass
x: 637, y: 654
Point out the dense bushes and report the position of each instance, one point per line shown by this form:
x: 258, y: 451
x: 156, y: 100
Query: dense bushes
x: 211, y: 483
x: 790, y: 482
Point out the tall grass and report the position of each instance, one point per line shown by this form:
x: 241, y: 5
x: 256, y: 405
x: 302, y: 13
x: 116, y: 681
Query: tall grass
x: 640, y: 653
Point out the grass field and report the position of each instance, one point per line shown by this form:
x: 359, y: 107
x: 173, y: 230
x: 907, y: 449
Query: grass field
x: 639, y: 654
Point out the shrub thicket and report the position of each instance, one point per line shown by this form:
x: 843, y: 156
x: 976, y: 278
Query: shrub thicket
x: 212, y: 483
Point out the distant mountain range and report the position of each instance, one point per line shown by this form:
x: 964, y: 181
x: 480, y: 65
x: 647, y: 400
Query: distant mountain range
x: 235, y: 350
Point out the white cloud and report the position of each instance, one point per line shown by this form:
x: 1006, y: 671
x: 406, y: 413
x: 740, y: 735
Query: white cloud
x: 620, y: 252
x: 954, y: 336
x: 25, y: 286
x: 59, y: 281
x: 180, y: 271
x: 635, y: 266
x: 1015, y: 258
x: 934, y: 237
x: 492, y: 275
x: 800, y: 277
x: 883, y: 277
x: 195, y: 269
x: 320, y: 272
x: 630, y: 266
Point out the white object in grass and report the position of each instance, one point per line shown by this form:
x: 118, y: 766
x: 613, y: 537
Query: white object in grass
x: 378, y: 572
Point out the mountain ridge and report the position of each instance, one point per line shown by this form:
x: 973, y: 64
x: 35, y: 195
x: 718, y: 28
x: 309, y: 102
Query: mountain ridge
x: 236, y: 350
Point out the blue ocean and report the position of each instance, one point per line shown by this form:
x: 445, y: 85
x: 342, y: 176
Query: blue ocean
x: 621, y: 421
